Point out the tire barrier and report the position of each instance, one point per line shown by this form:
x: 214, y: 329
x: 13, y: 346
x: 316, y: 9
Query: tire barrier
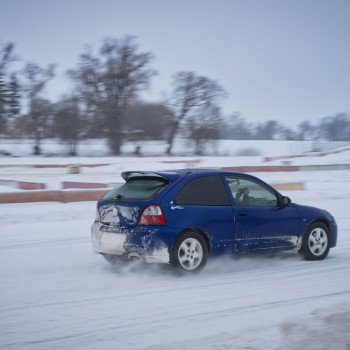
x: 41, y: 166
x: 23, y: 185
x: 52, y: 196
x: 69, y: 185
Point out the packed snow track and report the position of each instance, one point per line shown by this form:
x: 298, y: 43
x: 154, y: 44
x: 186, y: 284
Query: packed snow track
x: 57, y: 294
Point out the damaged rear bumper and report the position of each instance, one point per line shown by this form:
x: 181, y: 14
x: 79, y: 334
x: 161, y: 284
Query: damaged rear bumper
x: 149, y: 243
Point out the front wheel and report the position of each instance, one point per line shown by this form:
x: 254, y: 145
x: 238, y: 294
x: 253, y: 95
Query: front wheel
x: 316, y: 242
x: 190, y: 252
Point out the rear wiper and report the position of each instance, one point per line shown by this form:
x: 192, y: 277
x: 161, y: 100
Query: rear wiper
x: 118, y: 196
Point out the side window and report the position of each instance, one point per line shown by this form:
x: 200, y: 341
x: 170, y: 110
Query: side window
x: 248, y: 193
x: 209, y: 190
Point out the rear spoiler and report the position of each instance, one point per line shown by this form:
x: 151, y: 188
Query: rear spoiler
x: 167, y: 176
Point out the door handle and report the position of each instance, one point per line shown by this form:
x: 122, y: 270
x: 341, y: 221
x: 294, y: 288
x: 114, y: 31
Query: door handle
x: 243, y: 213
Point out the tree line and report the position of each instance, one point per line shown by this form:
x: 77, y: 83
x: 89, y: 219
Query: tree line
x: 106, y: 104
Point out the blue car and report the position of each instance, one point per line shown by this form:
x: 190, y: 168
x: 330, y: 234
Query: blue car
x: 182, y: 217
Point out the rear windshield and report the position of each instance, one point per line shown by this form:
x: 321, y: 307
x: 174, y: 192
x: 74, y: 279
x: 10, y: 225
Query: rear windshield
x: 137, y: 189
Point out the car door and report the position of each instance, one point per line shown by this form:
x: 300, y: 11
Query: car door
x: 260, y: 223
x: 202, y: 203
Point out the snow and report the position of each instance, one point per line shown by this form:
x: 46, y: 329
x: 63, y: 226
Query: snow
x: 228, y: 148
x: 53, y: 177
x: 57, y: 294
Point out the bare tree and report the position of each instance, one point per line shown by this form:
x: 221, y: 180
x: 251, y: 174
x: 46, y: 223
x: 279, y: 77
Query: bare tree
x: 6, y: 57
x: 236, y: 128
x: 270, y: 130
x: 39, y: 108
x: 14, y: 97
x: 190, y: 91
x: 148, y: 121
x: 306, y: 131
x: 204, y: 126
x: 67, y: 122
x: 109, y: 81
x: 335, y: 128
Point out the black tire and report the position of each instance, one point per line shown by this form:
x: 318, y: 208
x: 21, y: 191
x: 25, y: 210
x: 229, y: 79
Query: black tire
x: 114, y: 259
x: 190, y: 252
x: 316, y: 242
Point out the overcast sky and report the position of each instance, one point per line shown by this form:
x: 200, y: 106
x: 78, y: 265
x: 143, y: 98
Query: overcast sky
x: 287, y: 60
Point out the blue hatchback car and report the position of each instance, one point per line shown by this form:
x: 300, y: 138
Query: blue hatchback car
x: 183, y: 216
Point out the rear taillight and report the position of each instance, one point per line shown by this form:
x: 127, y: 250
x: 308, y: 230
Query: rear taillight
x: 152, y: 215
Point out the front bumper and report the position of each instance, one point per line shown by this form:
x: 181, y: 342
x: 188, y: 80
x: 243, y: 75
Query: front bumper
x: 150, y: 243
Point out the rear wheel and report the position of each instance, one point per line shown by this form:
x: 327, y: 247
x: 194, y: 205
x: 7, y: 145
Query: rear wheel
x: 190, y: 252
x: 316, y: 242
x: 113, y: 259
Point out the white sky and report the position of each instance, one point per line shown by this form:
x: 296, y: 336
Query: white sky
x: 287, y: 60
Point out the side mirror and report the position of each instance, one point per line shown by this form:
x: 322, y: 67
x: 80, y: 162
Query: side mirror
x: 285, y: 201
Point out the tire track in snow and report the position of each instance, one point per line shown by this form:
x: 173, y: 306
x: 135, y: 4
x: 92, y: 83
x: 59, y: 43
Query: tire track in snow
x: 48, y: 342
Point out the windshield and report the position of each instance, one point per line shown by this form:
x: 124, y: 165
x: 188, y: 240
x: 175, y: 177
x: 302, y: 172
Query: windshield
x: 137, y: 189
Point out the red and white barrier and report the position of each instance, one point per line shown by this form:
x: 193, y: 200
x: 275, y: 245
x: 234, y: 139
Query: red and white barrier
x: 316, y: 154
x: 84, y: 185
x: 52, y: 196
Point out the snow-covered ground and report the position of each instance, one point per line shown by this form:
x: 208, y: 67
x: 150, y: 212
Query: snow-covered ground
x: 20, y: 168
x: 98, y: 148
x: 57, y: 294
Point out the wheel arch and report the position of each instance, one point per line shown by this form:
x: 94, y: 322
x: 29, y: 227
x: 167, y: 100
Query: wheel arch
x: 195, y: 229
x: 307, y: 227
